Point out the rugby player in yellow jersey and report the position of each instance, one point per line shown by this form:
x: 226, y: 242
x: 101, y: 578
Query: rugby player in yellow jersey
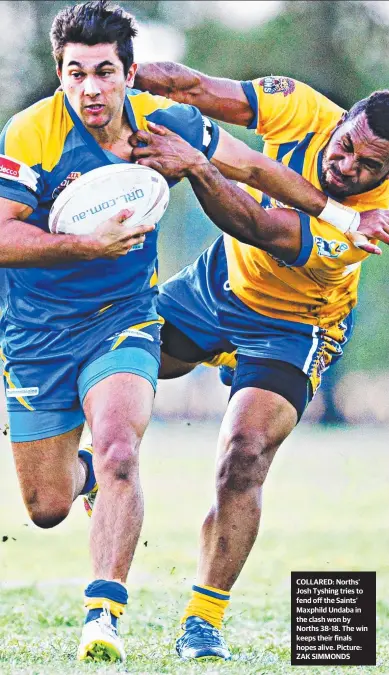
x: 286, y: 309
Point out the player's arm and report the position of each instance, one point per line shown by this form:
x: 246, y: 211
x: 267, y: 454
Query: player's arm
x: 238, y: 162
x: 217, y: 97
x: 226, y: 100
x: 235, y: 212
x: 277, y: 231
x: 25, y: 245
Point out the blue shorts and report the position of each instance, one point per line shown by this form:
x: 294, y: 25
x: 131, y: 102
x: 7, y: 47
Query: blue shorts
x: 48, y: 373
x: 199, y: 303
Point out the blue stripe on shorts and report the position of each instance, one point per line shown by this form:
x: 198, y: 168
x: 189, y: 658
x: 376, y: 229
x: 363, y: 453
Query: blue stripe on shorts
x: 27, y: 425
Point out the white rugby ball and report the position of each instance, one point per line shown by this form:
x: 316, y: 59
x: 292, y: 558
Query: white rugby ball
x: 101, y: 193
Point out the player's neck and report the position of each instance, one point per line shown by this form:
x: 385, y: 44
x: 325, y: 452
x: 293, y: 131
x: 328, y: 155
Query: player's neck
x: 113, y: 133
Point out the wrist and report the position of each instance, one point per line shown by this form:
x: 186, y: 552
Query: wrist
x: 342, y: 217
x: 199, y: 167
x: 88, y: 246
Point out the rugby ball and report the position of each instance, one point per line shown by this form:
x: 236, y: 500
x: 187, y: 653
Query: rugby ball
x: 99, y: 194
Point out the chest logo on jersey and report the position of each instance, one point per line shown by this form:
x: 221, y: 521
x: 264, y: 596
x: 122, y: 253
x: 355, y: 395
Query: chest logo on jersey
x: 73, y: 175
x: 330, y: 249
x: 276, y: 85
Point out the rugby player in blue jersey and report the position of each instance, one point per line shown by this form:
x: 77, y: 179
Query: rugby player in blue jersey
x: 285, y: 305
x: 81, y: 327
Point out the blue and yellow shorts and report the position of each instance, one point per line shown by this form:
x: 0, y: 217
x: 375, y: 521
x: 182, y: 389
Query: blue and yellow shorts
x: 208, y: 319
x: 47, y: 373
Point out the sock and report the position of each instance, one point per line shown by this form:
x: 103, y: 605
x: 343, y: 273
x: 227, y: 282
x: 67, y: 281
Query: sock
x: 101, y: 593
x: 86, y: 455
x: 208, y: 603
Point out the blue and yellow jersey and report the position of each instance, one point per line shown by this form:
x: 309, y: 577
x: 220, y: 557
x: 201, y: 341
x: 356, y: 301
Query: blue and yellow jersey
x: 320, y: 287
x: 43, y: 149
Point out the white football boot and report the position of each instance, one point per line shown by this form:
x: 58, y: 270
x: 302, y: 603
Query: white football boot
x: 100, y: 640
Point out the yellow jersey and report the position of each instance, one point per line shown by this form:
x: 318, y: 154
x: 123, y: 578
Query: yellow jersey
x: 320, y: 287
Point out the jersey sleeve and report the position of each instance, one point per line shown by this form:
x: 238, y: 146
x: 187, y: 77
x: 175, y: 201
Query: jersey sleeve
x: 284, y: 107
x: 187, y: 121
x: 20, y: 162
x: 325, y: 248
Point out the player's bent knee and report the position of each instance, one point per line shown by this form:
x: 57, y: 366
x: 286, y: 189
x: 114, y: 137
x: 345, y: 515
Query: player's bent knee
x: 245, y: 462
x: 48, y: 515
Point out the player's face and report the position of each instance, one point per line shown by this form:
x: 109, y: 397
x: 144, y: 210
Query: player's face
x: 355, y: 160
x: 93, y: 79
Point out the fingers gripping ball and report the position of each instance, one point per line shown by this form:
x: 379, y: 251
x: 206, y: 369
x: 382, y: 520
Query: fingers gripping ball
x: 101, y: 193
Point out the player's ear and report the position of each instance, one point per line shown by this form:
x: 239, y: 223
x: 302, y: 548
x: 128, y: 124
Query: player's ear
x: 59, y: 73
x: 131, y: 75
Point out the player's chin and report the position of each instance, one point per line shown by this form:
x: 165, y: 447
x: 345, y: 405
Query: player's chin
x: 338, y: 191
x: 97, y: 122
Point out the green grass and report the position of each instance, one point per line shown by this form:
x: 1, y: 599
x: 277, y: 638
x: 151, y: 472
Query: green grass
x: 325, y: 508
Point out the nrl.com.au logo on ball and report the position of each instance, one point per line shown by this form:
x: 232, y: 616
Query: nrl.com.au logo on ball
x: 97, y: 208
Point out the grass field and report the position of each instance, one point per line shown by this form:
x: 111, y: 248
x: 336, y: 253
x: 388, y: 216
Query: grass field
x: 326, y: 508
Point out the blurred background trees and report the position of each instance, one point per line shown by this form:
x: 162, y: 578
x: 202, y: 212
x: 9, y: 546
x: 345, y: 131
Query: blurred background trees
x: 338, y: 47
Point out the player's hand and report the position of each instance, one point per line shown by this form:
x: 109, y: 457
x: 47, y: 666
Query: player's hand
x: 374, y: 225
x: 115, y: 238
x: 165, y: 151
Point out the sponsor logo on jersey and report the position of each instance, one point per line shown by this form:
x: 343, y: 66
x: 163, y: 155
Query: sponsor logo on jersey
x: 8, y: 167
x: 18, y: 172
x: 330, y: 249
x: 73, y: 175
x: 22, y: 392
x: 276, y: 85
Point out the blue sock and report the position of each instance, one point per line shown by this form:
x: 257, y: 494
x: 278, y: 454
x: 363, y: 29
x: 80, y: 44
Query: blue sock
x: 106, y: 590
x: 90, y: 482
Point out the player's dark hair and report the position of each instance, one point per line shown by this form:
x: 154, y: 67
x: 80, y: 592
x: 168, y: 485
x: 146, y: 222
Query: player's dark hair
x: 92, y: 23
x: 376, y: 109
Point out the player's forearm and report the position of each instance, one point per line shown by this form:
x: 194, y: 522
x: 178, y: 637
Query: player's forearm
x: 169, y: 79
x: 24, y: 245
x: 287, y: 186
x: 276, y: 180
x: 239, y: 215
x: 217, y: 97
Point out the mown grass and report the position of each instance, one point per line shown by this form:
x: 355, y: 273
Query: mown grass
x: 326, y: 508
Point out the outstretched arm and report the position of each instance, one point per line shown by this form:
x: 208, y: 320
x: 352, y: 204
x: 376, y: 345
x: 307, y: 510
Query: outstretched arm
x: 225, y: 100
x: 235, y: 212
x: 238, y: 162
x: 217, y: 97
x: 231, y: 209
